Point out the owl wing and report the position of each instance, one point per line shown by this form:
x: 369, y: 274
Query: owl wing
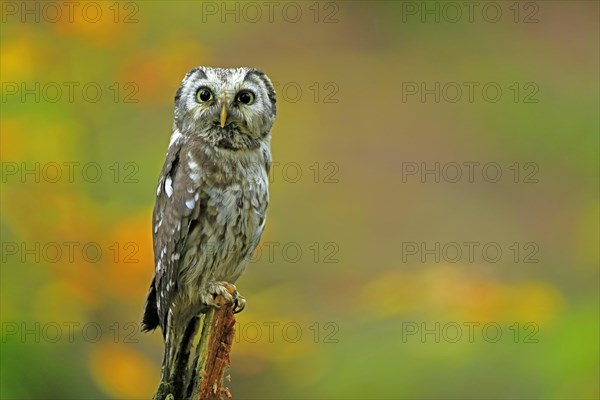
x: 177, y: 207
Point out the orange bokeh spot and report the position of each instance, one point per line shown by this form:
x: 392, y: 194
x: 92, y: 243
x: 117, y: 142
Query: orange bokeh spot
x: 122, y: 372
x: 100, y: 23
x: 153, y: 72
x: 130, y: 261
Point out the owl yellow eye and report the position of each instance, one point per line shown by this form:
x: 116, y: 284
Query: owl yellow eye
x: 245, y: 97
x: 204, y: 95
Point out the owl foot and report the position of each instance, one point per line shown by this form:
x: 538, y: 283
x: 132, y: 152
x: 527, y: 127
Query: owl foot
x: 226, y: 293
x: 239, y: 303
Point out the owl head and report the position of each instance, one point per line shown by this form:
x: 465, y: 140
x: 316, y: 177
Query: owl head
x: 232, y: 108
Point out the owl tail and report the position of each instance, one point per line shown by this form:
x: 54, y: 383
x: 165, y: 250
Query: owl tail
x: 176, y: 359
x: 150, y: 320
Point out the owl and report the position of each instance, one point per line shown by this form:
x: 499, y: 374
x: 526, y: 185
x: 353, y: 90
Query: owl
x: 211, y: 201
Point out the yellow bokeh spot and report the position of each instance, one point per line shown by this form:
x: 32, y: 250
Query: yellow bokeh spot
x: 452, y: 292
x: 122, y: 372
x: 18, y: 60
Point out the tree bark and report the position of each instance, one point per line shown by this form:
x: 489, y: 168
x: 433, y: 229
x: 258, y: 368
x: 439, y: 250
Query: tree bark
x: 214, y: 352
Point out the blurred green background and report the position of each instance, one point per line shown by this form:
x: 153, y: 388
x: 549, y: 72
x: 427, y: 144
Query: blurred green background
x: 345, y: 301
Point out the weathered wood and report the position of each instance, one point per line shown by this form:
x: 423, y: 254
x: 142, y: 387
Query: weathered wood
x: 215, y: 348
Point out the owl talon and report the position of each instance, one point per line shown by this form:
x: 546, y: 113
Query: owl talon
x: 239, y: 303
x: 226, y: 293
x: 234, y: 297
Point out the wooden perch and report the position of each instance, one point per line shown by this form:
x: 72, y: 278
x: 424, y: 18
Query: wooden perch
x: 204, y: 376
x: 214, y: 354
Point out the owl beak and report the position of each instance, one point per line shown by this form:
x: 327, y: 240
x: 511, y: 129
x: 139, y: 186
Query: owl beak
x: 223, y: 116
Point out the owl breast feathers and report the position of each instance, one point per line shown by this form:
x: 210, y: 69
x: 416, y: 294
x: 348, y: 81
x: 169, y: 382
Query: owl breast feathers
x: 212, y: 195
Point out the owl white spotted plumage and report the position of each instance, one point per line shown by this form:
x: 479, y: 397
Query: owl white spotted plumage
x: 211, y: 200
